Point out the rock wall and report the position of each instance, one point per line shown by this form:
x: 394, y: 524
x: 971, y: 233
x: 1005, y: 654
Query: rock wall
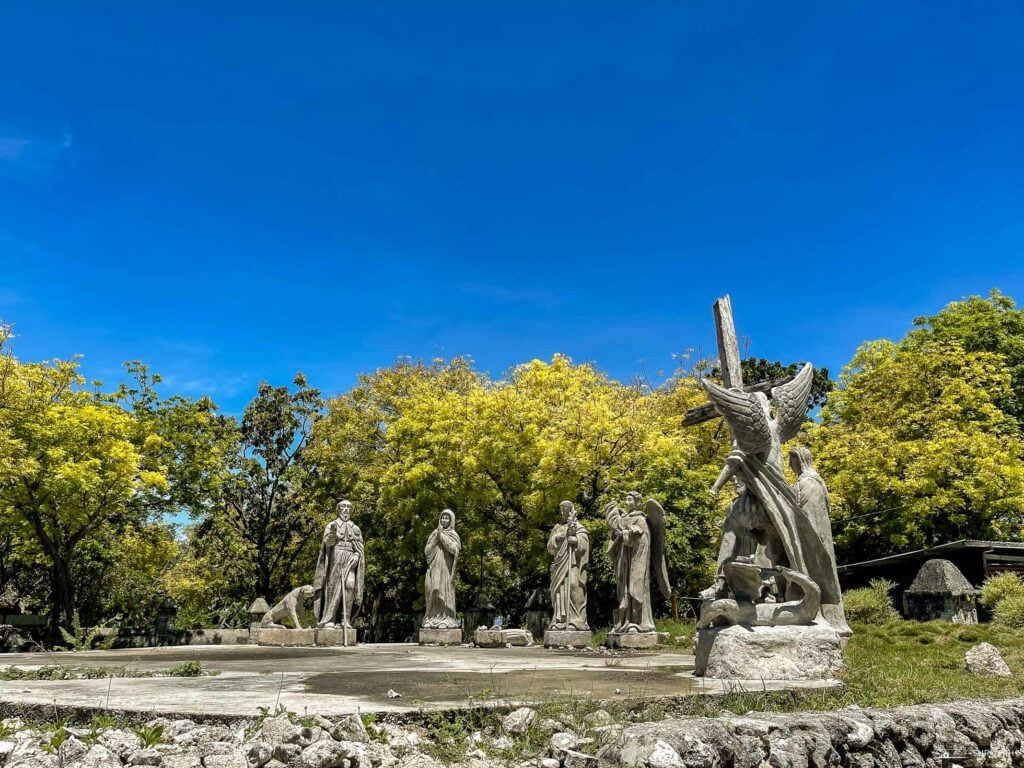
x: 965, y: 733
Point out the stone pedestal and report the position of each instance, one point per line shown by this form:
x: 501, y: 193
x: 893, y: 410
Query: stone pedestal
x: 631, y: 640
x: 499, y: 638
x: 286, y: 637
x: 572, y: 638
x: 433, y: 636
x: 811, y: 652
x: 336, y: 636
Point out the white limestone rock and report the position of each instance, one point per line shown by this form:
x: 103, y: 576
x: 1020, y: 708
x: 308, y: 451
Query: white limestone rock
x: 985, y: 660
x: 563, y: 741
x: 518, y: 720
x: 350, y: 728
x: 662, y: 755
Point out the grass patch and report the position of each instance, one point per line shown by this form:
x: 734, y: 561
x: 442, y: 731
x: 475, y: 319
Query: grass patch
x: 902, y: 662
x: 60, y: 672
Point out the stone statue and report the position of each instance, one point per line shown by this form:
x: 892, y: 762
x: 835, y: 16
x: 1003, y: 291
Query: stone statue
x: 340, y: 569
x: 289, y: 607
x: 442, y: 551
x: 636, y: 548
x: 812, y: 494
x: 569, y: 546
x: 766, y: 524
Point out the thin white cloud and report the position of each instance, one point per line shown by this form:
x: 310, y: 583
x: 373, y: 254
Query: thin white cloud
x: 30, y: 157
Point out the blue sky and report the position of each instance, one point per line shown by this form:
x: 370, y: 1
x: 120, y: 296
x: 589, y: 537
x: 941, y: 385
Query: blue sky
x: 233, y: 192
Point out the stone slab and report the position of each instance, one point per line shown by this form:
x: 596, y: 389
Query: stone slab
x: 286, y: 637
x: 560, y: 638
x: 334, y: 636
x: 499, y: 638
x: 433, y: 636
x: 631, y: 640
x: 772, y: 653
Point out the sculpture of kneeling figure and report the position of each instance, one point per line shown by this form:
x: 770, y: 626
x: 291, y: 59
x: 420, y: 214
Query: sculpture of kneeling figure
x: 288, y: 608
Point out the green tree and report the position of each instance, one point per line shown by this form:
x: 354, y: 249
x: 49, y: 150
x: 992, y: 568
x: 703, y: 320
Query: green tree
x: 259, y: 521
x: 992, y: 324
x: 414, y: 438
x: 70, y: 470
x: 917, y: 450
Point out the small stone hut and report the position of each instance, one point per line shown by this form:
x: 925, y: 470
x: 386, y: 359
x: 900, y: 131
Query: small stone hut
x: 941, y: 591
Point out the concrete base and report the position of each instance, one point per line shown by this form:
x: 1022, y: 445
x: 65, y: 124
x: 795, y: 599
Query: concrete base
x: 499, y: 638
x: 434, y: 636
x: 282, y: 637
x: 769, y: 653
x: 631, y: 640
x: 573, y: 638
x: 334, y: 636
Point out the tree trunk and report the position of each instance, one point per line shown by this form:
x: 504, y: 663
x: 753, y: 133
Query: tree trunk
x: 62, y: 598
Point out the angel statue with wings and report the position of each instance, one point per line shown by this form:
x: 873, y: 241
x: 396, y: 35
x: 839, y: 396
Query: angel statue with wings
x: 766, y: 527
x: 637, y: 546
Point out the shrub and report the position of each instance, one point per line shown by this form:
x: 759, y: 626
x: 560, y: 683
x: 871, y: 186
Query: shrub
x: 999, y: 587
x: 1009, y: 611
x: 871, y: 604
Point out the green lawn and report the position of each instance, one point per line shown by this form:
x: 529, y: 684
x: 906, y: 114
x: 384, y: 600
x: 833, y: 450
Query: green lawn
x: 904, y: 662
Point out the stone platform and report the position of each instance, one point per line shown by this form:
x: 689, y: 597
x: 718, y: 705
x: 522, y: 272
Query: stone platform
x: 335, y: 681
x: 631, y: 639
x: 573, y: 638
x: 435, y: 636
x: 775, y: 653
x: 297, y: 638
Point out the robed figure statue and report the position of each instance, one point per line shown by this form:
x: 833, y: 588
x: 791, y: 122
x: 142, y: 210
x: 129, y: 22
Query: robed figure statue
x: 637, y: 547
x: 569, y: 547
x: 442, y: 551
x: 340, y: 570
x: 766, y: 526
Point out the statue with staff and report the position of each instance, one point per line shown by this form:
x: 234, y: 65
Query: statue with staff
x: 569, y: 546
x: 340, y: 572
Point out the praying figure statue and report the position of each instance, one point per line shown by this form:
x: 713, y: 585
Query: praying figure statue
x: 812, y: 494
x: 569, y: 546
x: 637, y: 546
x: 442, y: 551
x: 340, y: 570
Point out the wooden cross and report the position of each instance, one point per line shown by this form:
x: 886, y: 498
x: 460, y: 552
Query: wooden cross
x: 729, y: 357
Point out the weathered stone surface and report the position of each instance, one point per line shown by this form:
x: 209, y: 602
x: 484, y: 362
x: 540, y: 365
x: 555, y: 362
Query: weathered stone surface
x: 769, y: 653
x: 559, y: 638
x: 259, y: 754
x: 350, y: 728
x: 631, y: 639
x: 229, y: 760
x: 332, y: 636
x: 71, y: 751
x: 662, y: 755
x: 975, y: 733
x: 500, y: 638
x: 430, y: 636
x: 517, y: 638
x: 562, y: 741
x: 984, y: 659
x: 99, y: 756
x: 330, y: 754
x: 285, y: 637
x: 518, y: 720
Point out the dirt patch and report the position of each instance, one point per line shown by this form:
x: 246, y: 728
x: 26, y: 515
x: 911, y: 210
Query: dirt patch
x: 524, y: 685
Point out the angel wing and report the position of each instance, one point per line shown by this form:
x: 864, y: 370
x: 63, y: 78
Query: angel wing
x: 656, y: 523
x: 791, y: 402
x: 747, y: 419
